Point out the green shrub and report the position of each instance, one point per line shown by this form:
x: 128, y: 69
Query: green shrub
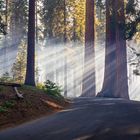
x: 53, y: 89
x: 40, y: 86
x: 3, y: 109
x: 8, y: 104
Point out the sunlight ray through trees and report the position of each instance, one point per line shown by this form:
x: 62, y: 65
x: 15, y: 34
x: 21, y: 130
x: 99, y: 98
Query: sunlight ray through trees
x: 70, y: 42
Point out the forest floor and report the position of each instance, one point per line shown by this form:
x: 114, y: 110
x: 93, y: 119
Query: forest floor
x: 36, y: 103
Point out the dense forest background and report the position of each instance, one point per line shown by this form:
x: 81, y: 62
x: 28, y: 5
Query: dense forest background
x: 61, y: 32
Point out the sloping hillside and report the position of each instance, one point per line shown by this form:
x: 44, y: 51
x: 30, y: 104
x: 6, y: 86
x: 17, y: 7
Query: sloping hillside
x: 35, y: 103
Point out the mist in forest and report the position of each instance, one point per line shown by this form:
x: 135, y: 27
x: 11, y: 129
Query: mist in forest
x: 54, y: 62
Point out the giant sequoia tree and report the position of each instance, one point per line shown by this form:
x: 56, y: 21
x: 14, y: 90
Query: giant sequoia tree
x: 30, y: 70
x: 89, y: 66
x: 115, y: 77
x: 122, y: 85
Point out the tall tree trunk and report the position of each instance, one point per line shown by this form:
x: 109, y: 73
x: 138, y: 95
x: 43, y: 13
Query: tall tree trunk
x: 65, y: 40
x: 88, y: 88
x: 122, y: 86
x: 36, y: 16
x: 30, y: 70
x: 6, y: 14
x: 74, y: 65
x: 5, y: 64
x: 110, y: 51
x: 115, y: 76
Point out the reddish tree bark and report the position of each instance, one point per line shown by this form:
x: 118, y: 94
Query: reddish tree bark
x: 115, y: 76
x: 122, y: 85
x: 110, y: 51
x: 30, y: 70
x: 65, y: 41
x: 88, y: 88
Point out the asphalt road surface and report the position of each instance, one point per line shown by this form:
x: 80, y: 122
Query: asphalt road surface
x: 86, y: 119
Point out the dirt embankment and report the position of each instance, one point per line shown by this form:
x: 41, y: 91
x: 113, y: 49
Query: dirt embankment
x: 36, y: 103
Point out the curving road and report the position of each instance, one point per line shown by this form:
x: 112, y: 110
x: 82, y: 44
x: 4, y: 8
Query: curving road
x: 87, y: 118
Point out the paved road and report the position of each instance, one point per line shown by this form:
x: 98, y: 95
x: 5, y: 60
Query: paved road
x: 87, y: 118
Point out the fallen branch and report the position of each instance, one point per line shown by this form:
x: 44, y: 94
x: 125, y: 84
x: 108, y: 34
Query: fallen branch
x: 14, y: 85
x: 52, y: 104
x: 20, y: 96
